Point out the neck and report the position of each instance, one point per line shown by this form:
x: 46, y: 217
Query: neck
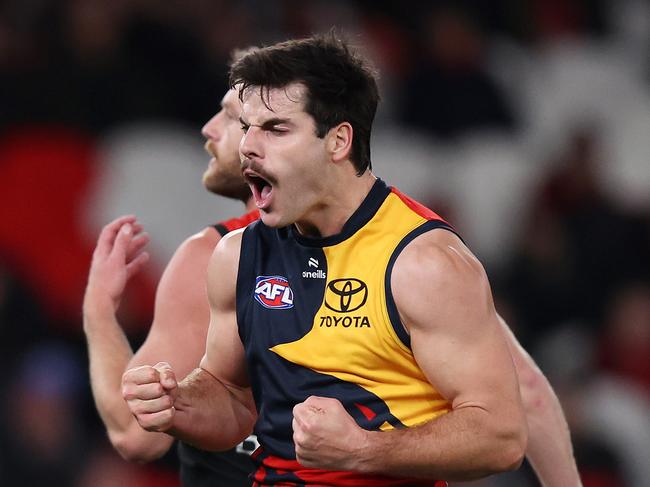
x: 340, y: 203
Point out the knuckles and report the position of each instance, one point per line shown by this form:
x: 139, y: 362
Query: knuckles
x: 166, y: 402
x: 163, y: 419
x: 141, y: 375
x: 127, y: 392
x: 158, y: 421
x: 298, y: 438
x: 148, y: 374
x: 304, y: 460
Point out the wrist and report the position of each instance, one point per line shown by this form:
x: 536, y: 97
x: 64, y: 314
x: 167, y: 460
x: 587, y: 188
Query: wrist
x: 364, y: 455
x: 97, y: 305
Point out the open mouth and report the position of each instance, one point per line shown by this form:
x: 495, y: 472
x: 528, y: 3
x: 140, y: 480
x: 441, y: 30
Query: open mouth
x: 261, y: 189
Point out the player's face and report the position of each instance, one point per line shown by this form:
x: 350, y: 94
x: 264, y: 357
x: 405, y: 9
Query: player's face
x: 282, y: 158
x: 223, y: 133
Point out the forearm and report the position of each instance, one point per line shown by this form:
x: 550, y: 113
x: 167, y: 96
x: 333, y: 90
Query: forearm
x: 210, y: 415
x: 549, y: 447
x: 464, y: 444
x: 109, y: 354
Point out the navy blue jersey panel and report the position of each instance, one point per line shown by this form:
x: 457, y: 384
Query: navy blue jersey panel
x: 200, y: 468
x: 286, y: 386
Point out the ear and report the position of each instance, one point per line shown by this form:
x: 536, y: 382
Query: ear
x: 339, y: 143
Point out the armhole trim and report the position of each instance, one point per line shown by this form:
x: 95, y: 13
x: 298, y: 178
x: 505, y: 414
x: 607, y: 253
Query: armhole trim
x: 220, y: 227
x: 391, y: 307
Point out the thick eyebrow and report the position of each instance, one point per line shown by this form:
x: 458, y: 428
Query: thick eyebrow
x: 271, y: 122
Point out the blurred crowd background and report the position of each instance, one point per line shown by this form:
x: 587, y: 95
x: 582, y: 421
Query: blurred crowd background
x: 525, y: 123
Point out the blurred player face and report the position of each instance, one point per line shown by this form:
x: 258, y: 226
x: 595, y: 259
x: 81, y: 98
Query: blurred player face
x: 283, y: 160
x: 223, y: 133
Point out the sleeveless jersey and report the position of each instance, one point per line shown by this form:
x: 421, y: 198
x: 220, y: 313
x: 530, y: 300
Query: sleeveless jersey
x: 317, y: 317
x: 199, y: 468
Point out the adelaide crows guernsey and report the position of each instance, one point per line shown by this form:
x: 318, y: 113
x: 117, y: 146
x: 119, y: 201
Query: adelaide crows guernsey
x: 200, y: 468
x: 316, y: 317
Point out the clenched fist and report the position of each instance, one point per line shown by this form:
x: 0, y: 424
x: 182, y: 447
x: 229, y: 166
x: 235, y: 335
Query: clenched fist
x: 150, y: 393
x: 326, y: 436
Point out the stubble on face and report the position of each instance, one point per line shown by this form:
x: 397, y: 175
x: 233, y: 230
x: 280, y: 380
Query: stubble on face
x: 223, y: 175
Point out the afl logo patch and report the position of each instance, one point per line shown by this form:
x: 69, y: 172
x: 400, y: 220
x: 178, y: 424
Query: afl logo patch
x: 346, y: 295
x: 273, y: 292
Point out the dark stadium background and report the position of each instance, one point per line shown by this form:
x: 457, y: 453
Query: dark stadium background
x: 524, y: 123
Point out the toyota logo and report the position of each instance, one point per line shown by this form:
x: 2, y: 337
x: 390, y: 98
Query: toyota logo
x: 346, y: 295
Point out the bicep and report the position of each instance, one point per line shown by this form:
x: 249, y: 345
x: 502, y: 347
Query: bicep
x: 181, y: 317
x: 445, y: 301
x: 224, y: 354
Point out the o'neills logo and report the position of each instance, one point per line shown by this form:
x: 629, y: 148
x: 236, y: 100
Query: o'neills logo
x: 317, y: 274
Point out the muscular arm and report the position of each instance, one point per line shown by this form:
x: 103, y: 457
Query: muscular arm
x: 462, y: 351
x: 549, y: 448
x: 181, y: 311
x: 212, y: 408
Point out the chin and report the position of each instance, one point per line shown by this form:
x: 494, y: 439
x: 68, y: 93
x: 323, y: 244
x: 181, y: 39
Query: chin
x: 213, y: 181
x: 272, y: 219
x: 208, y: 176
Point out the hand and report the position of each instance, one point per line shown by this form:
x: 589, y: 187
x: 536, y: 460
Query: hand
x: 150, y: 393
x: 119, y: 255
x: 326, y: 436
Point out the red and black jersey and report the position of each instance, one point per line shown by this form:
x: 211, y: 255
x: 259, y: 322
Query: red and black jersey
x: 236, y: 223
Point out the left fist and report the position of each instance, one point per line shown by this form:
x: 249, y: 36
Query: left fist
x: 326, y: 436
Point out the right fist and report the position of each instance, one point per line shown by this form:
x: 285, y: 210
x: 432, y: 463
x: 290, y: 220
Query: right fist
x: 150, y: 393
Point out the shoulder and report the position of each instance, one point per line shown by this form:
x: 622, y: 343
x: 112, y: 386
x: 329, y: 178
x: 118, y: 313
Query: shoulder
x: 225, y: 257
x: 223, y: 269
x: 184, y: 276
x: 205, y: 240
x: 194, y: 252
x: 229, y: 243
x: 434, y: 271
x: 437, y: 253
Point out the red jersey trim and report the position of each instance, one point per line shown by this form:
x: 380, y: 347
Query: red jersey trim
x: 236, y: 223
x: 418, y: 208
x: 312, y: 477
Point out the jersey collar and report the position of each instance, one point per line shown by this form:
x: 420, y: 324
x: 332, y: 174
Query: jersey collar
x: 359, y: 218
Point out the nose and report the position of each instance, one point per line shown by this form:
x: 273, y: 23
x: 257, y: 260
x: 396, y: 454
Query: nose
x: 250, y: 146
x: 212, y: 128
